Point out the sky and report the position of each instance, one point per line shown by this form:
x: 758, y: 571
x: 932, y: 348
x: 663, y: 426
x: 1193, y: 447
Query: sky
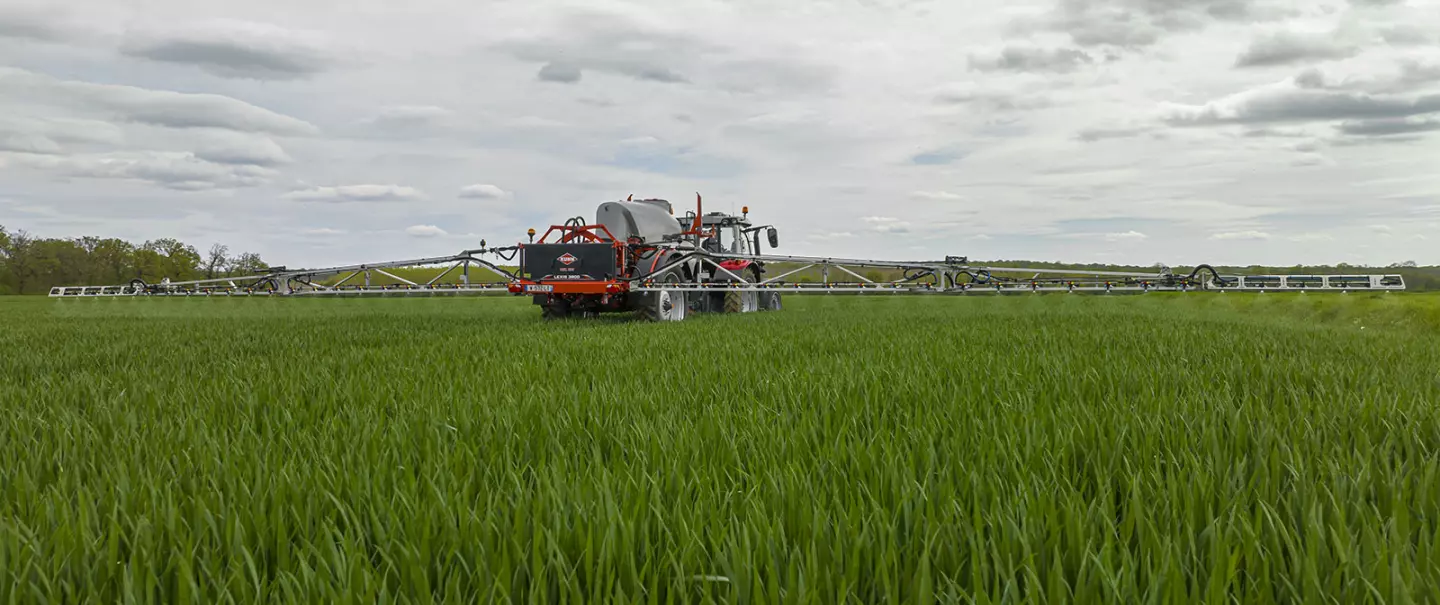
x: 1129, y: 131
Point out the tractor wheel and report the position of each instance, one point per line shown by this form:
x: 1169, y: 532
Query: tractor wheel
x: 665, y: 305
x: 741, y: 301
x: 770, y: 301
x: 555, y: 309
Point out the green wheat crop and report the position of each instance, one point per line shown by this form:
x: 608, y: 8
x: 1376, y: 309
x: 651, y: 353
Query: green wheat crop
x: 1049, y: 449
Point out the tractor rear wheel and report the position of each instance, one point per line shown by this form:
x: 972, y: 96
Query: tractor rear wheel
x: 739, y: 301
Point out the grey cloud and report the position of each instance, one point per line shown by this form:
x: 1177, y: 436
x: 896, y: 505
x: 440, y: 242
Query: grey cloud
x: 1310, y: 78
x: 234, y: 50
x: 253, y: 151
x: 1278, y: 104
x: 1377, y: 2
x: 154, y: 107
x: 356, y: 193
x: 179, y: 171
x: 759, y: 75
x: 1408, y: 35
x: 605, y: 42
x: 1013, y: 58
x: 410, y: 121
x: 589, y: 41
x: 559, y: 72
x: 28, y: 143
x: 48, y: 133
x: 1091, y: 135
x: 1285, y: 48
x: 1413, y: 73
x: 993, y: 99
x: 30, y: 24
x: 1388, y: 127
x: 1139, y: 23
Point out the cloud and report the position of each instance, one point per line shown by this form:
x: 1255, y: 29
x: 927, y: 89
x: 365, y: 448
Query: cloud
x: 357, y: 193
x: 30, y: 23
x: 407, y: 118
x: 234, y: 49
x: 1287, y: 47
x: 1408, y: 35
x: 1382, y: 229
x: 171, y: 170
x: 1311, y: 237
x: 1241, y: 236
x: 146, y: 106
x: 484, y: 191
x: 1141, y: 23
x: 322, y: 231
x: 606, y: 42
x: 28, y: 143
x: 937, y: 157
x: 1023, y: 59
x: 425, y: 231
x: 1287, y: 102
x: 937, y: 196
x: 997, y: 100
x: 255, y: 151
x: 1128, y: 236
x: 1090, y: 135
x: 1388, y: 127
x: 559, y: 72
x: 886, y: 224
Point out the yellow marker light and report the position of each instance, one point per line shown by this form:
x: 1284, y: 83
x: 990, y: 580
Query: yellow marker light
x: 744, y: 210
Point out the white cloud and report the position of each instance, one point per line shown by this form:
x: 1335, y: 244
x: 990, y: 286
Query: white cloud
x: 322, y: 231
x: 253, y: 150
x: 937, y: 196
x: 356, y: 193
x: 484, y: 191
x: 879, y: 219
x: 1241, y: 235
x: 424, y: 231
x: 154, y: 107
x: 177, y: 171
x: 1127, y: 236
x: 233, y: 49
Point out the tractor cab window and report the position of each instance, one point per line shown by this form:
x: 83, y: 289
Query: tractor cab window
x: 729, y: 240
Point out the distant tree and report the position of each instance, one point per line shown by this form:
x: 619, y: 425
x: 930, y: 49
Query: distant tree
x: 20, y: 258
x: 246, y: 263
x: 215, y: 260
x: 177, y: 260
x: 113, y: 260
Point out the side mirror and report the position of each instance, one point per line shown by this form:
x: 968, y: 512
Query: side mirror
x: 774, y: 237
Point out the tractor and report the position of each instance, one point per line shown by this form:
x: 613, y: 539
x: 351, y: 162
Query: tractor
x: 638, y: 256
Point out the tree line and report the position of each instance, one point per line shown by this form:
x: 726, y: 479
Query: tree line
x: 33, y: 265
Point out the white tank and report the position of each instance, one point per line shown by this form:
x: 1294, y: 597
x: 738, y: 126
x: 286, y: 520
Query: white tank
x: 649, y: 220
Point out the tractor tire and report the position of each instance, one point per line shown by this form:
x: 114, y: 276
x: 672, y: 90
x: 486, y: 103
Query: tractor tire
x: 770, y: 301
x: 741, y: 302
x: 556, y: 309
x: 665, y: 305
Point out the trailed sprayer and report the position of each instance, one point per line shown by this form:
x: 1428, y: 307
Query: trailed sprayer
x: 639, y: 256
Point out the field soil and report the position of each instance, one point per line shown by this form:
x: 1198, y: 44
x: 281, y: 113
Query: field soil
x: 849, y: 449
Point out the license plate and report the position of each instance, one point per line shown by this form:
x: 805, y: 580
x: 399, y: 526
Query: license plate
x: 540, y: 288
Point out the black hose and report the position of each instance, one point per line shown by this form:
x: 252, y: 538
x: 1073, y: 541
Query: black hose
x: 1213, y: 274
